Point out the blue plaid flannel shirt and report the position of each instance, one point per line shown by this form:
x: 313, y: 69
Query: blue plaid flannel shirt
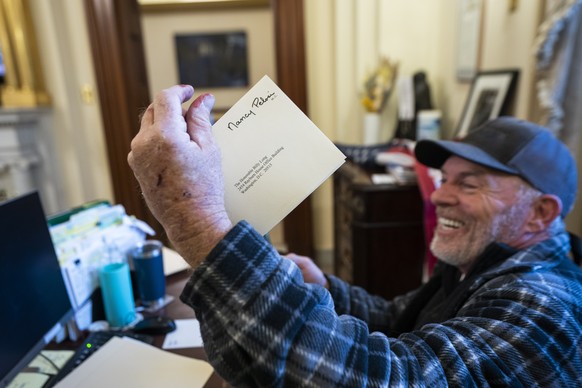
x: 262, y: 326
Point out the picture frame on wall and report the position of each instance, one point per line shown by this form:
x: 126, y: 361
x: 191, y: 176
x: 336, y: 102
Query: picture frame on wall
x: 197, y: 5
x: 213, y: 60
x: 470, y: 19
x: 490, y: 96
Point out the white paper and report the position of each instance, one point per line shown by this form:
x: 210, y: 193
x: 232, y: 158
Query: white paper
x: 125, y: 362
x: 383, y: 179
x: 273, y: 156
x: 84, y: 316
x: 79, y: 278
x: 58, y: 357
x: 186, y: 335
x: 29, y: 380
x: 173, y: 262
x: 43, y: 369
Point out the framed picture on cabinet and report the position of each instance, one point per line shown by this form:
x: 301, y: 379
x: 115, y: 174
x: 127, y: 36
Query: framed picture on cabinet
x: 490, y: 96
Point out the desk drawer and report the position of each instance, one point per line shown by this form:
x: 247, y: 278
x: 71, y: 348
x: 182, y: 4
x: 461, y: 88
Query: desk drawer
x: 396, y: 204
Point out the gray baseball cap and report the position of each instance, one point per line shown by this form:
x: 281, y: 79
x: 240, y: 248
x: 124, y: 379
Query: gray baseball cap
x: 516, y: 147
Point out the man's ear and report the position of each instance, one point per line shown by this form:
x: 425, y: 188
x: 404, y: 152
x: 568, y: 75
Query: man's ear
x: 545, y: 209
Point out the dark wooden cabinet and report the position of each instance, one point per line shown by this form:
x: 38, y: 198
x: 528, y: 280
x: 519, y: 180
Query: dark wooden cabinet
x: 379, y: 238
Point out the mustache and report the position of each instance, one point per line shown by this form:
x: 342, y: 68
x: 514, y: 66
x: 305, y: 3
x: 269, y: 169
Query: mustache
x: 448, y: 214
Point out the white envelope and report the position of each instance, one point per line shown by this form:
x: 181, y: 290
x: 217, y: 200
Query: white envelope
x: 273, y: 156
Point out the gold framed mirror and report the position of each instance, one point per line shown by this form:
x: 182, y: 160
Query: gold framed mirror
x: 23, y: 83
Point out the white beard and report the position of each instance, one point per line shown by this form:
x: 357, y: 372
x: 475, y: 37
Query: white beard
x: 463, y: 252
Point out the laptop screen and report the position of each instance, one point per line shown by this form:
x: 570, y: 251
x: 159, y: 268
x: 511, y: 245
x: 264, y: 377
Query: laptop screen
x: 33, y: 297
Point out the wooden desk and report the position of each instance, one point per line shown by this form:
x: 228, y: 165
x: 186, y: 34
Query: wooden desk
x: 379, y: 236
x: 177, y: 310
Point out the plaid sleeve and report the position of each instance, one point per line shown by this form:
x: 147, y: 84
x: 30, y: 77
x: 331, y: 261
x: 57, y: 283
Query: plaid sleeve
x: 376, y: 311
x: 263, y: 326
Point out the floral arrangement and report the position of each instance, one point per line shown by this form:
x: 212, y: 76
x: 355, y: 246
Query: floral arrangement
x: 378, y: 85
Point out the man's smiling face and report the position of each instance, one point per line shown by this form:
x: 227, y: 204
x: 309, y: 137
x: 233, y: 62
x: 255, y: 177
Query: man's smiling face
x: 475, y: 207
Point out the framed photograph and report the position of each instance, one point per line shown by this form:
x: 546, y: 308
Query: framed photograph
x: 490, y: 96
x: 470, y: 15
x: 198, y: 5
x: 214, y: 60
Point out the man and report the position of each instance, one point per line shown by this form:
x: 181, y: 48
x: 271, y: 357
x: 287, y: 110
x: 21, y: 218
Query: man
x: 504, y: 308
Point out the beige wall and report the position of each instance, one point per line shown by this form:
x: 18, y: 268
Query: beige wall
x: 346, y: 37
x: 71, y: 137
x: 344, y: 40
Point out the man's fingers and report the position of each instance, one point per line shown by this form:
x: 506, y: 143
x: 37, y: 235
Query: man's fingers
x: 201, y: 106
x: 299, y: 260
x: 198, y: 117
x: 147, y: 116
x: 167, y: 105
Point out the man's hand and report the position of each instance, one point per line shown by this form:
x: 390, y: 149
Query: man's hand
x: 310, y: 271
x: 177, y: 164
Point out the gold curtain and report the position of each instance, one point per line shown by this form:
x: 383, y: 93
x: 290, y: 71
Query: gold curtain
x: 24, y: 83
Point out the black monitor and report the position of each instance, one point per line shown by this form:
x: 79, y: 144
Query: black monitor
x: 34, y: 303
